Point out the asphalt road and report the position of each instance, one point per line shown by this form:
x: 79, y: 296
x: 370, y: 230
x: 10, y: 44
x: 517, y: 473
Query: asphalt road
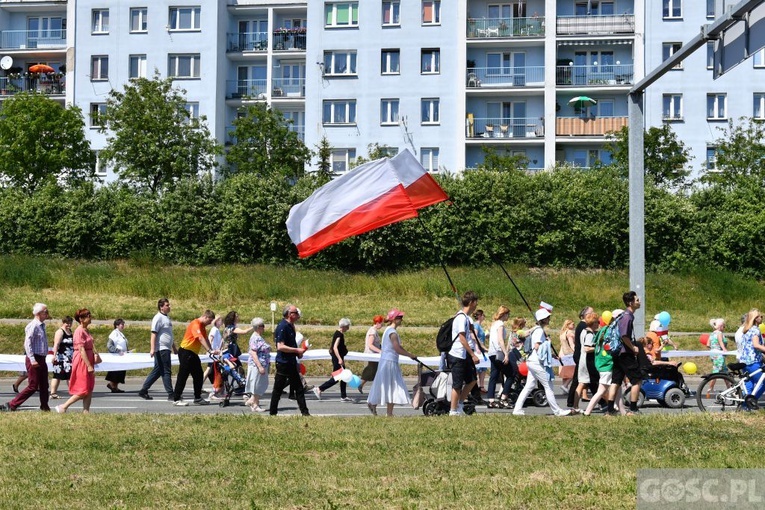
x: 129, y: 402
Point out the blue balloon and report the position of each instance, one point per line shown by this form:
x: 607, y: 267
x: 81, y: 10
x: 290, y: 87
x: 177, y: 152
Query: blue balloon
x: 355, y: 382
x: 664, y: 319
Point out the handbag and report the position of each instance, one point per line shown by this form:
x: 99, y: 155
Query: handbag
x: 97, y: 359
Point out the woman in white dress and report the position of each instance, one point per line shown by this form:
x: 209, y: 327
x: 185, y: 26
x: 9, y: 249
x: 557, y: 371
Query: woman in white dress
x: 388, y: 387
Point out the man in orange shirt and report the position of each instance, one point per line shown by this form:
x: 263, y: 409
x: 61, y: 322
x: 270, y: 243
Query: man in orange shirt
x: 188, y: 358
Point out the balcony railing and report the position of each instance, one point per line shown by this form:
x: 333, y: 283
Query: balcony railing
x: 503, y: 128
x: 32, y: 39
x: 594, y: 75
x: 48, y: 86
x: 247, y: 41
x: 237, y: 89
x: 289, y: 40
x: 231, y: 139
x: 487, y: 28
x: 596, y: 25
x: 499, y: 77
x: 288, y: 87
x: 583, y: 126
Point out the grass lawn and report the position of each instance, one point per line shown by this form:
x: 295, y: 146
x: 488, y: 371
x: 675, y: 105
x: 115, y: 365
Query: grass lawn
x: 492, y: 461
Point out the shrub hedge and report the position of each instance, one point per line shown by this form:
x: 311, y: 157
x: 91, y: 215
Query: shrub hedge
x: 566, y: 218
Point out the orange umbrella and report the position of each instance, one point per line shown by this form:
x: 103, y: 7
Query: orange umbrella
x: 41, y: 68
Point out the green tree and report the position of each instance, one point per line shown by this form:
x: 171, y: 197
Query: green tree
x: 42, y: 141
x: 323, y: 153
x: 375, y: 151
x: 153, y: 141
x: 740, y: 154
x: 665, y: 156
x: 264, y: 145
x: 502, y: 161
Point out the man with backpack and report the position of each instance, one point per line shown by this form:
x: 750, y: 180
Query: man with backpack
x: 625, y: 359
x: 461, y: 358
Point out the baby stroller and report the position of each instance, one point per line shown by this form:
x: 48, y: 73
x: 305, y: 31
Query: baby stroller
x: 232, y: 381
x: 536, y: 397
x: 440, y: 389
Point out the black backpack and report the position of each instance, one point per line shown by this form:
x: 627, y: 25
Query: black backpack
x: 444, y: 339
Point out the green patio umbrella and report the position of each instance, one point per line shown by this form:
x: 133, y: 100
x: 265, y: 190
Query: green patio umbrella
x: 582, y: 102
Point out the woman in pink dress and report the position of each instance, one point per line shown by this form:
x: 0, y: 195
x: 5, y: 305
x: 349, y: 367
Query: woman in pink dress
x: 83, y: 378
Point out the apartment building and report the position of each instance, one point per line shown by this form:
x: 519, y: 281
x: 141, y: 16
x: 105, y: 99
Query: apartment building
x: 444, y: 79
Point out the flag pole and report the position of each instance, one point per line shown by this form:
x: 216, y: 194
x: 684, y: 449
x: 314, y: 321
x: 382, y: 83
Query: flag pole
x: 441, y: 261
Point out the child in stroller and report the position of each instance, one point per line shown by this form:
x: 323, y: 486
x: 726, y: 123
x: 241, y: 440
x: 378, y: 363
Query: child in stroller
x: 228, y: 366
x: 440, y: 383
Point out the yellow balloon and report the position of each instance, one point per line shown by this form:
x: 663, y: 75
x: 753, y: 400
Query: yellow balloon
x: 689, y: 367
x: 607, y: 316
x: 521, y: 333
x: 762, y: 329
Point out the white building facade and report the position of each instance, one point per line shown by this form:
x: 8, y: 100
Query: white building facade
x: 547, y: 79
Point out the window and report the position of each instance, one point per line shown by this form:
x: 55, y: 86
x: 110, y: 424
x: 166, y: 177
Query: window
x: 668, y: 49
x: 184, y: 18
x: 183, y: 66
x: 137, y: 66
x: 389, y: 112
x: 429, y: 158
x: 716, y: 106
x: 431, y: 12
x: 430, y: 63
x: 97, y: 111
x: 710, y: 55
x: 341, y: 14
x: 138, y: 22
x: 672, y: 107
x: 391, y: 13
x: 339, y: 112
x: 100, y: 165
x: 758, y: 110
x: 339, y: 62
x: 431, y: 113
x: 340, y: 160
x: 47, y: 27
x: 711, y: 8
x: 594, y: 8
x: 193, y: 109
x: 99, y: 68
x: 604, y: 108
x: 100, y: 21
x: 391, y: 62
x: 759, y: 58
x: 672, y: 9
x: 586, y: 158
x: 711, y: 162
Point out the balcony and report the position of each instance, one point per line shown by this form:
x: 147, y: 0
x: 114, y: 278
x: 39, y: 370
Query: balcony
x: 288, y: 87
x: 584, y: 126
x: 502, y: 77
x: 596, y: 25
x: 231, y: 139
x: 490, y: 28
x: 289, y: 39
x: 253, y: 89
x: 594, y: 76
x: 52, y: 86
x: 499, y: 128
x: 32, y: 40
x: 247, y: 41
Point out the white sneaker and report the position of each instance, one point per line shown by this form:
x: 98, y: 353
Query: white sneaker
x: 180, y: 403
x: 346, y: 399
x: 460, y: 407
x: 317, y: 392
x: 214, y: 398
x: 519, y: 413
x: 455, y: 413
x: 564, y: 412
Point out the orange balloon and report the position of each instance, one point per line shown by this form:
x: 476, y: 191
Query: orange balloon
x: 523, y: 369
x: 302, y: 369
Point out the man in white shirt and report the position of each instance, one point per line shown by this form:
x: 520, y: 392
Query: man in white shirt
x: 461, y: 358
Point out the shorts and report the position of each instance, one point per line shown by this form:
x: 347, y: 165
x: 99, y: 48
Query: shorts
x: 605, y: 378
x: 626, y: 365
x: 463, y: 371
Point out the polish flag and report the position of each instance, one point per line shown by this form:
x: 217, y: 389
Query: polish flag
x: 370, y: 196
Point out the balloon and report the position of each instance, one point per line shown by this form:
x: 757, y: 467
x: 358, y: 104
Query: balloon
x: 607, y: 316
x: 664, y: 319
x: 521, y: 333
x: 762, y: 329
x: 689, y: 367
x: 355, y: 382
x: 523, y: 369
x: 346, y: 375
x: 302, y: 369
x: 601, y: 322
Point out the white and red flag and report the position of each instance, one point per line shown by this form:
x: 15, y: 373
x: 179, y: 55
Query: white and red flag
x: 370, y: 196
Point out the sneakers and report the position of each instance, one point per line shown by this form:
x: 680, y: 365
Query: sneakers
x: 59, y: 410
x: 347, y: 400
x: 563, y: 412
x: 308, y: 387
x: 5, y: 408
x: 201, y: 402
x: 258, y: 409
x: 519, y: 413
x: 215, y: 398
x: 317, y: 392
x: 455, y: 413
x: 145, y: 395
x: 180, y: 403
